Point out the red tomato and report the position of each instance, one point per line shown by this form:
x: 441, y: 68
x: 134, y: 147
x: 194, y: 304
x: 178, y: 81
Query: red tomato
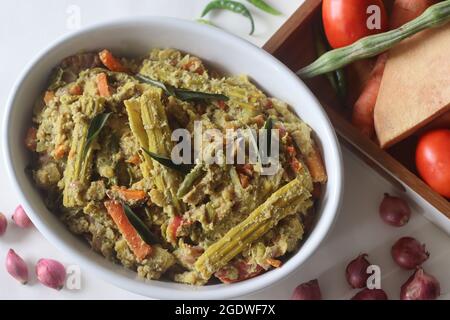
x: 433, y: 160
x: 347, y: 21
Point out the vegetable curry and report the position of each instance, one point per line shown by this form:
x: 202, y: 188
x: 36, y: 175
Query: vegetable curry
x: 101, y: 144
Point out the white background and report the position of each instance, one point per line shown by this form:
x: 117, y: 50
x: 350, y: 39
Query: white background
x: 27, y: 27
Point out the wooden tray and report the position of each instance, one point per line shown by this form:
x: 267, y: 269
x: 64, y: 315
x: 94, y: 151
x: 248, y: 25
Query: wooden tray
x: 293, y: 44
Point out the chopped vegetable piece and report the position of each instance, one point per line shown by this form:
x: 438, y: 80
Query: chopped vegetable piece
x: 274, y: 262
x: 173, y: 227
x: 189, y: 180
x: 60, y: 151
x: 137, y: 245
x: 111, y: 62
x: 135, y: 159
x: 150, y: 126
x: 78, y: 167
x: 238, y: 271
x: 130, y: 194
x: 290, y: 199
x: 76, y: 90
x: 102, y: 85
x: 48, y: 97
x: 315, y: 166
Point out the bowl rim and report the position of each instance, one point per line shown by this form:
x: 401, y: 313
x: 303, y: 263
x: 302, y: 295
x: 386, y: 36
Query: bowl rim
x: 146, y: 288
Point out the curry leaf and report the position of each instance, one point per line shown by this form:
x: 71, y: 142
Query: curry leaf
x: 154, y: 83
x: 95, y: 127
x: 182, y: 94
x: 183, y: 168
x: 141, y: 228
x: 188, y: 95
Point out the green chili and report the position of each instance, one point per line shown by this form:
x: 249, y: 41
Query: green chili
x: 341, y: 82
x: 321, y: 49
x: 264, y: 6
x: 370, y: 46
x: 190, y: 179
x: 232, y: 6
x: 336, y: 78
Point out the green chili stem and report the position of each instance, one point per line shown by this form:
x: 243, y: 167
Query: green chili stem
x: 371, y: 46
x: 336, y: 78
x: 264, y: 6
x: 232, y: 6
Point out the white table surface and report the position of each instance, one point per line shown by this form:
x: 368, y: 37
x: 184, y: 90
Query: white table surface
x: 28, y: 26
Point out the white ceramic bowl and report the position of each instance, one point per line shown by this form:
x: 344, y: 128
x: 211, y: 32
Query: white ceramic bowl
x: 231, y: 54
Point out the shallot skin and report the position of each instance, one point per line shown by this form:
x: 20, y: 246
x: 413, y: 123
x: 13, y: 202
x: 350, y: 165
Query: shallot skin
x: 20, y: 218
x: 16, y: 267
x: 409, y: 253
x: 394, y: 211
x: 356, y: 272
x: 51, y: 273
x: 307, y: 291
x: 371, y: 294
x: 420, y: 286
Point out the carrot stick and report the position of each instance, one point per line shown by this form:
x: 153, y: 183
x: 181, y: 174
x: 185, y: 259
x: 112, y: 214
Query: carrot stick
x: 274, y: 262
x: 48, y: 96
x: 363, y: 110
x: 315, y: 165
x: 173, y: 227
x: 130, y: 194
x: 135, y: 159
x: 111, y: 62
x: 102, y: 85
x: 137, y: 245
x: 76, y: 90
x: 403, y: 11
x: 60, y: 151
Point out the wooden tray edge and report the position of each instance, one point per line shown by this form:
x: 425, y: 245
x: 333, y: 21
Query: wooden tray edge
x: 386, y: 165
